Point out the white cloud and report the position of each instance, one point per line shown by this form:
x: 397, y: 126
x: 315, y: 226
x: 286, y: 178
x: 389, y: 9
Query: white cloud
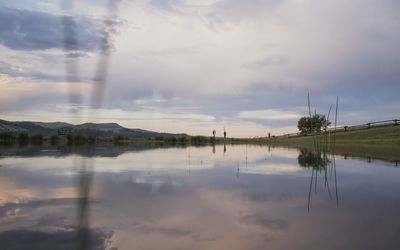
x: 269, y: 114
x: 272, y: 169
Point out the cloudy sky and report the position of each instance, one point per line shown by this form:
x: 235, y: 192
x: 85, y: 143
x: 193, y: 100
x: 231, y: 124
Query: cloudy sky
x: 197, y: 65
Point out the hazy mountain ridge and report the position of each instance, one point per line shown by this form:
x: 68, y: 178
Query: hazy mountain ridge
x: 89, y: 129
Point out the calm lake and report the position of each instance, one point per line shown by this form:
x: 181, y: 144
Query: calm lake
x: 232, y: 197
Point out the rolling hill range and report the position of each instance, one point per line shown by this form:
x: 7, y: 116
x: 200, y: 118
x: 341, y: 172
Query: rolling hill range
x: 87, y: 129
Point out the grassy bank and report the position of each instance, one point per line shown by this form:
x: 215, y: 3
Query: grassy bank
x: 373, y: 143
x: 383, y: 136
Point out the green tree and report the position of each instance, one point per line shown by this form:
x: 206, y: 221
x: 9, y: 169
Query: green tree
x: 23, y: 139
x: 54, y: 139
x: 7, y: 138
x: 313, y: 124
x: 199, y: 140
x: 37, y: 139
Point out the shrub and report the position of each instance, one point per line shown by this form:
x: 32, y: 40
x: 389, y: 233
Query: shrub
x: 182, y: 140
x: 23, y: 139
x: 198, y: 140
x: 37, y: 139
x: 7, y: 138
x: 54, y: 139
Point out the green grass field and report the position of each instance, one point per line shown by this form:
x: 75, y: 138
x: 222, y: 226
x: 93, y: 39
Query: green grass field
x: 381, y: 142
x: 382, y: 135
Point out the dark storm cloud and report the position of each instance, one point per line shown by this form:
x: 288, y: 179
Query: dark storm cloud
x: 28, y: 30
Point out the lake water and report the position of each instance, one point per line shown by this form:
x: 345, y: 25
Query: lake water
x: 240, y: 197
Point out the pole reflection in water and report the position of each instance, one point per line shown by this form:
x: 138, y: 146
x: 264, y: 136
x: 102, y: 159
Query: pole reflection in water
x: 246, y: 155
x: 238, y: 170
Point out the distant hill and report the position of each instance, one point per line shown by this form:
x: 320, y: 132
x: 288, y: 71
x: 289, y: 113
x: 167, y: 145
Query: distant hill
x: 88, y: 129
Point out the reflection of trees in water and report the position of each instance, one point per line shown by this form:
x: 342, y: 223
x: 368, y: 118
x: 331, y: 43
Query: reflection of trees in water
x: 311, y: 159
x: 56, y: 240
x: 320, y: 163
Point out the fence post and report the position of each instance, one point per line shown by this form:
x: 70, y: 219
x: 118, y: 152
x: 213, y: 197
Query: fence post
x: 369, y: 125
x: 396, y: 122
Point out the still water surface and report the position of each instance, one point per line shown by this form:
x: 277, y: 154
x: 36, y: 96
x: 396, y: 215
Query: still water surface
x: 240, y: 197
